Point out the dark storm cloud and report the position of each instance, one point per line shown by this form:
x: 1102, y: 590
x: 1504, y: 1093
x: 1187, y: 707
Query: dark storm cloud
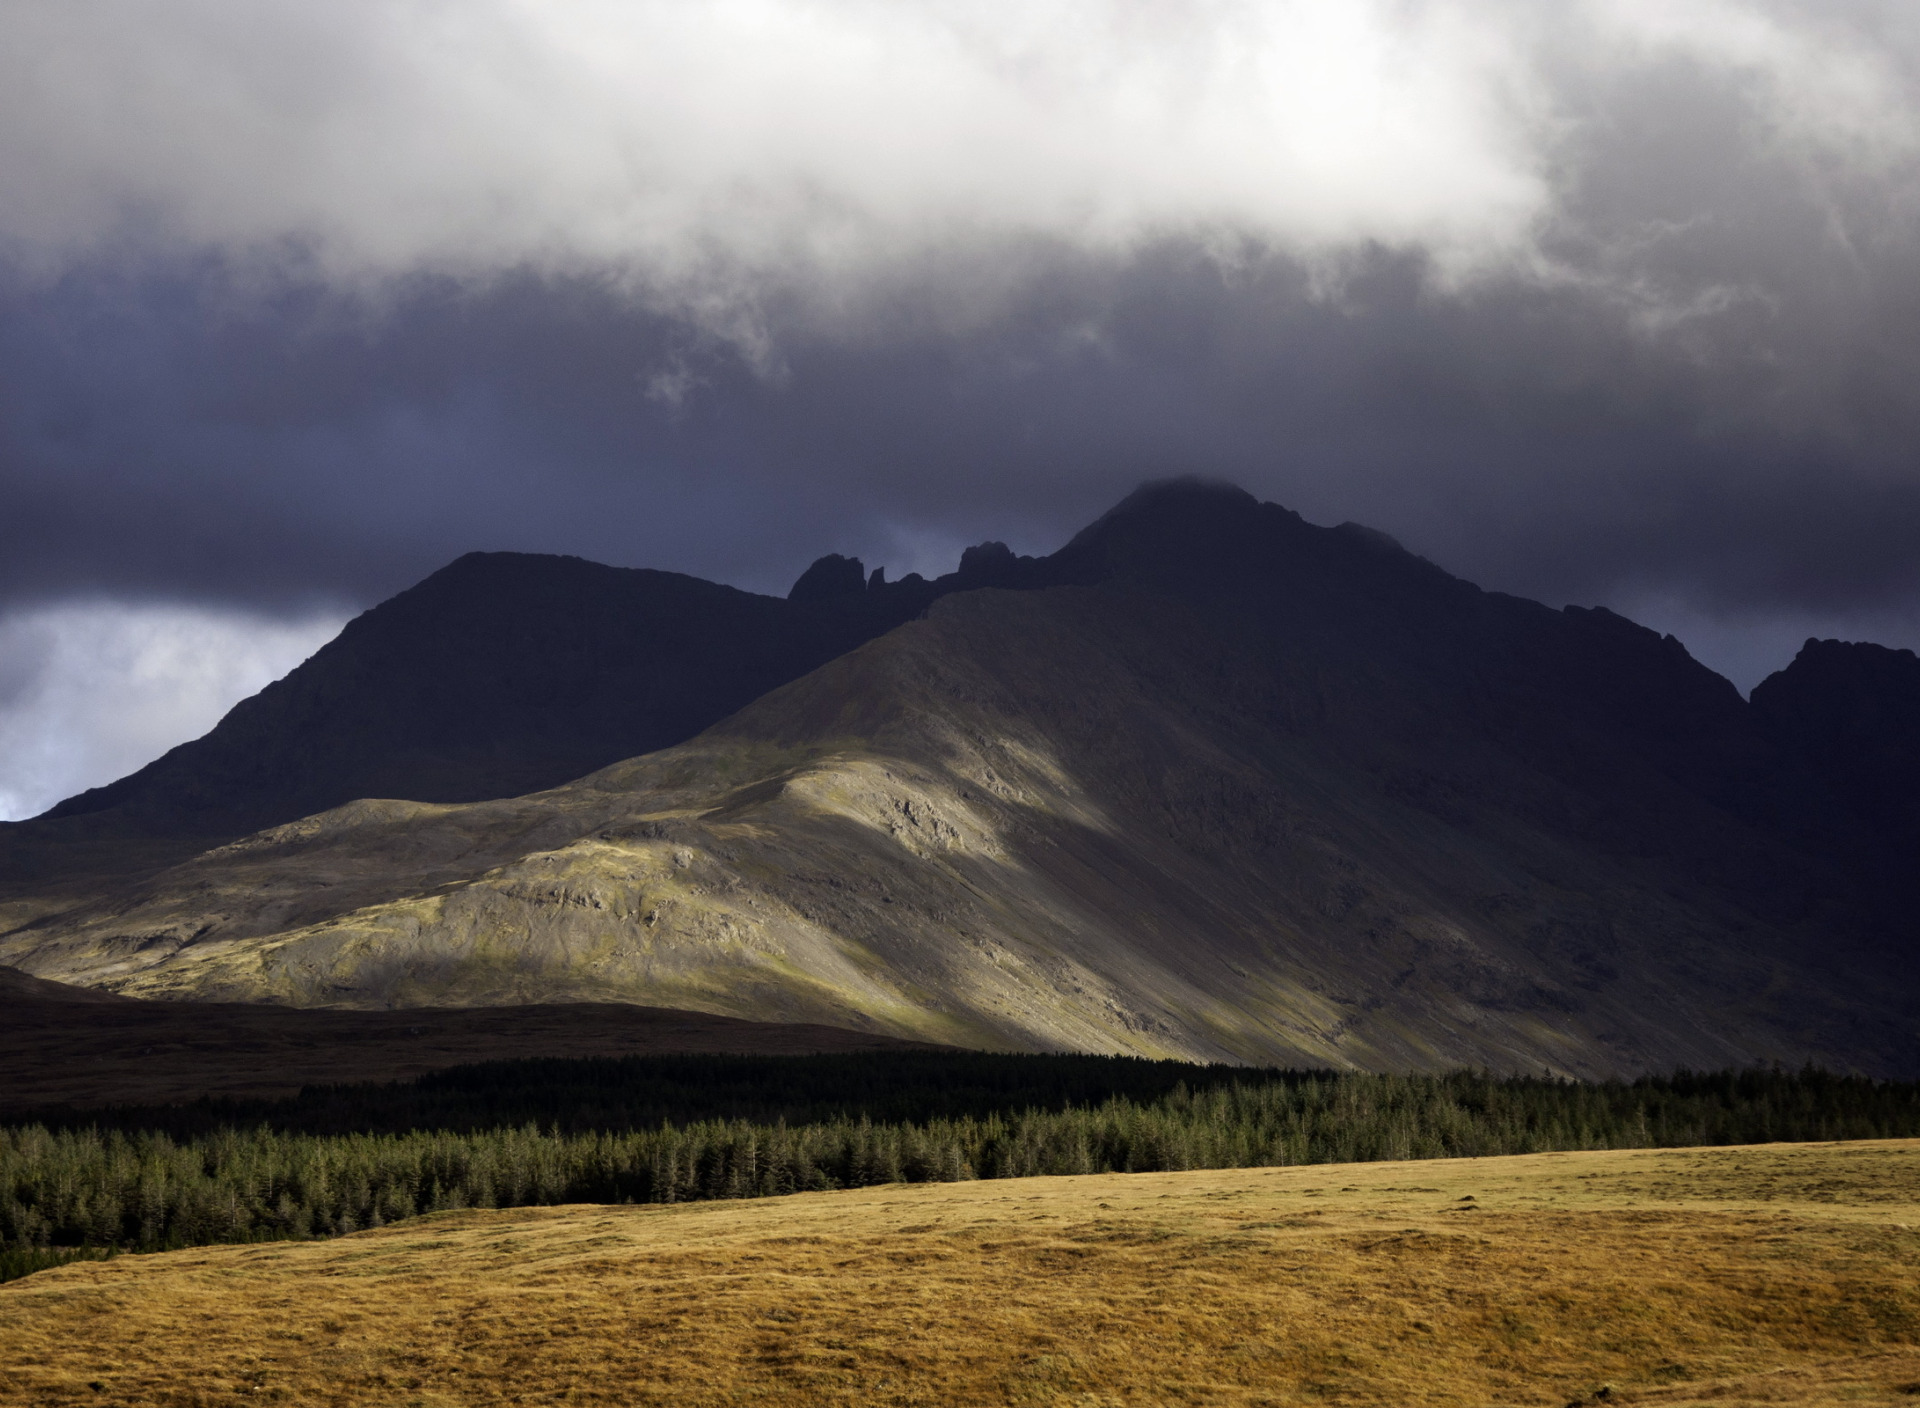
x: 1604, y: 302
x: 166, y: 435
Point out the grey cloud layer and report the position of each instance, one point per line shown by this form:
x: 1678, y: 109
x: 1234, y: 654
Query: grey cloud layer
x: 91, y: 691
x: 1585, y: 302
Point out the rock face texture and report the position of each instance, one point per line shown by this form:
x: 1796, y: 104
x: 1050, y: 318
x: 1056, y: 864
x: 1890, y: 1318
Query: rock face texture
x: 1208, y: 782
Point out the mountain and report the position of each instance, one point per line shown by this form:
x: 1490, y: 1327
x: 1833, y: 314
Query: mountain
x: 1210, y: 781
x: 1852, y: 711
x: 500, y: 674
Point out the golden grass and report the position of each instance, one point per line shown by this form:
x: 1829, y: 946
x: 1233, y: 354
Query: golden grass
x: 1777, y: 1274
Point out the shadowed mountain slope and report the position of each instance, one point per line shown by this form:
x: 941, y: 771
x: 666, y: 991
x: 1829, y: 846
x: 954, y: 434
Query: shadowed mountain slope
x: 1250, y: 790
x: 1851, y: 712
x: 497, y: 675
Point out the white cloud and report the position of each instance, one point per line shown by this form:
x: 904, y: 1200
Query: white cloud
x: 396, y: 134
x: 492, y: 132
x: 1838, y: 77
x: 704, y: 154
x: 90, y: 691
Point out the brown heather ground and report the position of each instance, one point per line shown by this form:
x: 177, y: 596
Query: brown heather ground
x: 1777, y: 1274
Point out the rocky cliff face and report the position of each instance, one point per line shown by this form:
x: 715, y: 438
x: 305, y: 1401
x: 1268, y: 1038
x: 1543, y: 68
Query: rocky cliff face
x: 1208, y: 782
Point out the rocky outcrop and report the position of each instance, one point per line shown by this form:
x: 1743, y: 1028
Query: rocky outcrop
x: 829, y: 577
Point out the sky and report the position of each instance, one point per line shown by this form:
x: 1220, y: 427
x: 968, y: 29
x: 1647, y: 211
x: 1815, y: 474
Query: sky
x: 1604, y: 302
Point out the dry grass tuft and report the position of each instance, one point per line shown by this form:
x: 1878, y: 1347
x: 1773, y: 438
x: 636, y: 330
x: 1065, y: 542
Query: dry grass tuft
x: 1769, y: 1275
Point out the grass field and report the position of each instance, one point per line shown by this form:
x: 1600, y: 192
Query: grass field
x: 1777, y: 1274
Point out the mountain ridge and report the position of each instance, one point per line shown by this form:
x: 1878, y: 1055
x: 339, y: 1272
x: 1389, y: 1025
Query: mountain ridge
x: 498, y: 674
x: 1247, y: 789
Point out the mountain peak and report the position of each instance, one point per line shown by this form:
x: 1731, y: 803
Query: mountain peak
x: 1189, y: 499
x: 1852, y: 710
x: 1184, y: 493
x: 830, y: 576
x: 990, y: 564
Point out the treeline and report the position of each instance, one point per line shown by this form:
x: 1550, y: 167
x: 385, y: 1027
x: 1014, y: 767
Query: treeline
x: 16, y: 1262
x: 638, y: 1093
x: 143, y: 1190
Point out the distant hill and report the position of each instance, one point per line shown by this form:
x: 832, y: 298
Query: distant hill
x: 1214, y: 783
x: 500, y: 674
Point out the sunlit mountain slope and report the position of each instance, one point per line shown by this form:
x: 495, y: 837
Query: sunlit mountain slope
x: 1265, y: 792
